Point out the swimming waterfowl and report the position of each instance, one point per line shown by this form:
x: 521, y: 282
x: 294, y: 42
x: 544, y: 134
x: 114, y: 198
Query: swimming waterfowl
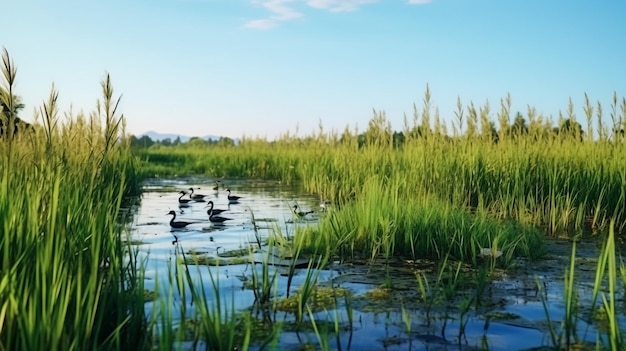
x: 232, y: 198
x: 177, y: 224
x: 181, y: 200
x: 217, y: 185
x: 300, y: 213
x: 214, y: 218
x: 196, y: 197
x: 214, y: 210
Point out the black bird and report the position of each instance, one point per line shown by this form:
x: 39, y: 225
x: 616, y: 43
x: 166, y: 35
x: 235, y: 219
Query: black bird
x: 217, y: 185
x: 213, y: 210
x: 214, y: 218
x: 196, y: 197
x: 181, y: 200
x: 300, y: 213
x: 232, y: 198
x: 178, y: 224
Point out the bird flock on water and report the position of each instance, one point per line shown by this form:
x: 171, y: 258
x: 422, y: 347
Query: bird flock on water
x: 189, y: 197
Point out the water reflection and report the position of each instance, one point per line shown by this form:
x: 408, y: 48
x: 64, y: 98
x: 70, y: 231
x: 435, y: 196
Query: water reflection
x: 397, y: 322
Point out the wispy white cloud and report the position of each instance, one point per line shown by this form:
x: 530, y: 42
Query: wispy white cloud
x: 419, y: 2
x: 265, y: 23
x: 338, y: 5
x: 280, y: 10
x: 285, y: 10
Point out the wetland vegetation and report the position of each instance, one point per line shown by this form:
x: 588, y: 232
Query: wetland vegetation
x: 438, y: 220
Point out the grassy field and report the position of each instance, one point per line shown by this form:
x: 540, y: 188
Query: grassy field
x: 68, y: 281
x: 446, y: 192
x: 462, y: 197
x: 559, y: 179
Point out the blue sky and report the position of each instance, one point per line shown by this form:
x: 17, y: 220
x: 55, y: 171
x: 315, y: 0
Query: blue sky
x: 266, y: 67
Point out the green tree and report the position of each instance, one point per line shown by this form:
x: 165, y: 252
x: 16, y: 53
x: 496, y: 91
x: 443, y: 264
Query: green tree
x: 571, y: 128
x: 10, y: 103
x: 225, y: 141
x: 398, y: 139
x: 519, y: 126
x: 143, y: 142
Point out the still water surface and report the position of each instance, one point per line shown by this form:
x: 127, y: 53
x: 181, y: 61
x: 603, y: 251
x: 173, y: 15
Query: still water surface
x: 377, y: 325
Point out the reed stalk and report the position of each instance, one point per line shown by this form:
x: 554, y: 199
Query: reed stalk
x: 68, y: 278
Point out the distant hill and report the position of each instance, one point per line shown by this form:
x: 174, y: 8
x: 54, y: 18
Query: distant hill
x: 183, y: 138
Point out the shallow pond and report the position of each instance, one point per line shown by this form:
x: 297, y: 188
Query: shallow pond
x: 511, y: 314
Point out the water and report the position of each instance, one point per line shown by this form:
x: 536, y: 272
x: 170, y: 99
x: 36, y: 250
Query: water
x: 511, y: 317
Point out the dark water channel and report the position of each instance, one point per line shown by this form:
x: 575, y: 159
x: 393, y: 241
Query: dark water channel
x: 511, y: 315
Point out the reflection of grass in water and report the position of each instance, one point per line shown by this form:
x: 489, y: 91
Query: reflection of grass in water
x: 437, y: 196
x: 134, y: 242
x: 502, y: 316
x: 268, y: 220
x: 237, y: 252
x: 381, y: 293
x: 321, y: 298
x: 232, y: 257
x: 207, y: 260
x: 149, y: 295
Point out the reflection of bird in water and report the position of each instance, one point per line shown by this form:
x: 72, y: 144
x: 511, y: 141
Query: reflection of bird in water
x: 300, y: 213
x: 217, y: 219
x: 244, y: 278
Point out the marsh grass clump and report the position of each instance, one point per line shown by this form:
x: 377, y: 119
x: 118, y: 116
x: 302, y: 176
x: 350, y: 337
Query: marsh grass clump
x: 559, y: 179
x: 321, y: 298
x: 206, y: 318
x: 69, y: 280
x: 384, y: 222
x: 207, y: 260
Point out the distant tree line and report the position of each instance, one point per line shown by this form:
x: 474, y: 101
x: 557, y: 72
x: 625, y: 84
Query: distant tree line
x: 379, y: 132
x: 146, y: 142
x: 470, y: 122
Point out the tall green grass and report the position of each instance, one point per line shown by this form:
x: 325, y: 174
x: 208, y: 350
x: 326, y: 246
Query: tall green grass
x: 532, y: 172
x: 68, y: 281
x: 387, y: 222
x: 603, y: 310
x: 424, y: 192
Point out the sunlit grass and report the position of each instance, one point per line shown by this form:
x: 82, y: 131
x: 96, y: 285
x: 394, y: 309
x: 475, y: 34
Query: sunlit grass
x: 67, y: 280
x: 475, y: 195
x: 385, y: 222
x: 551, y: 181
